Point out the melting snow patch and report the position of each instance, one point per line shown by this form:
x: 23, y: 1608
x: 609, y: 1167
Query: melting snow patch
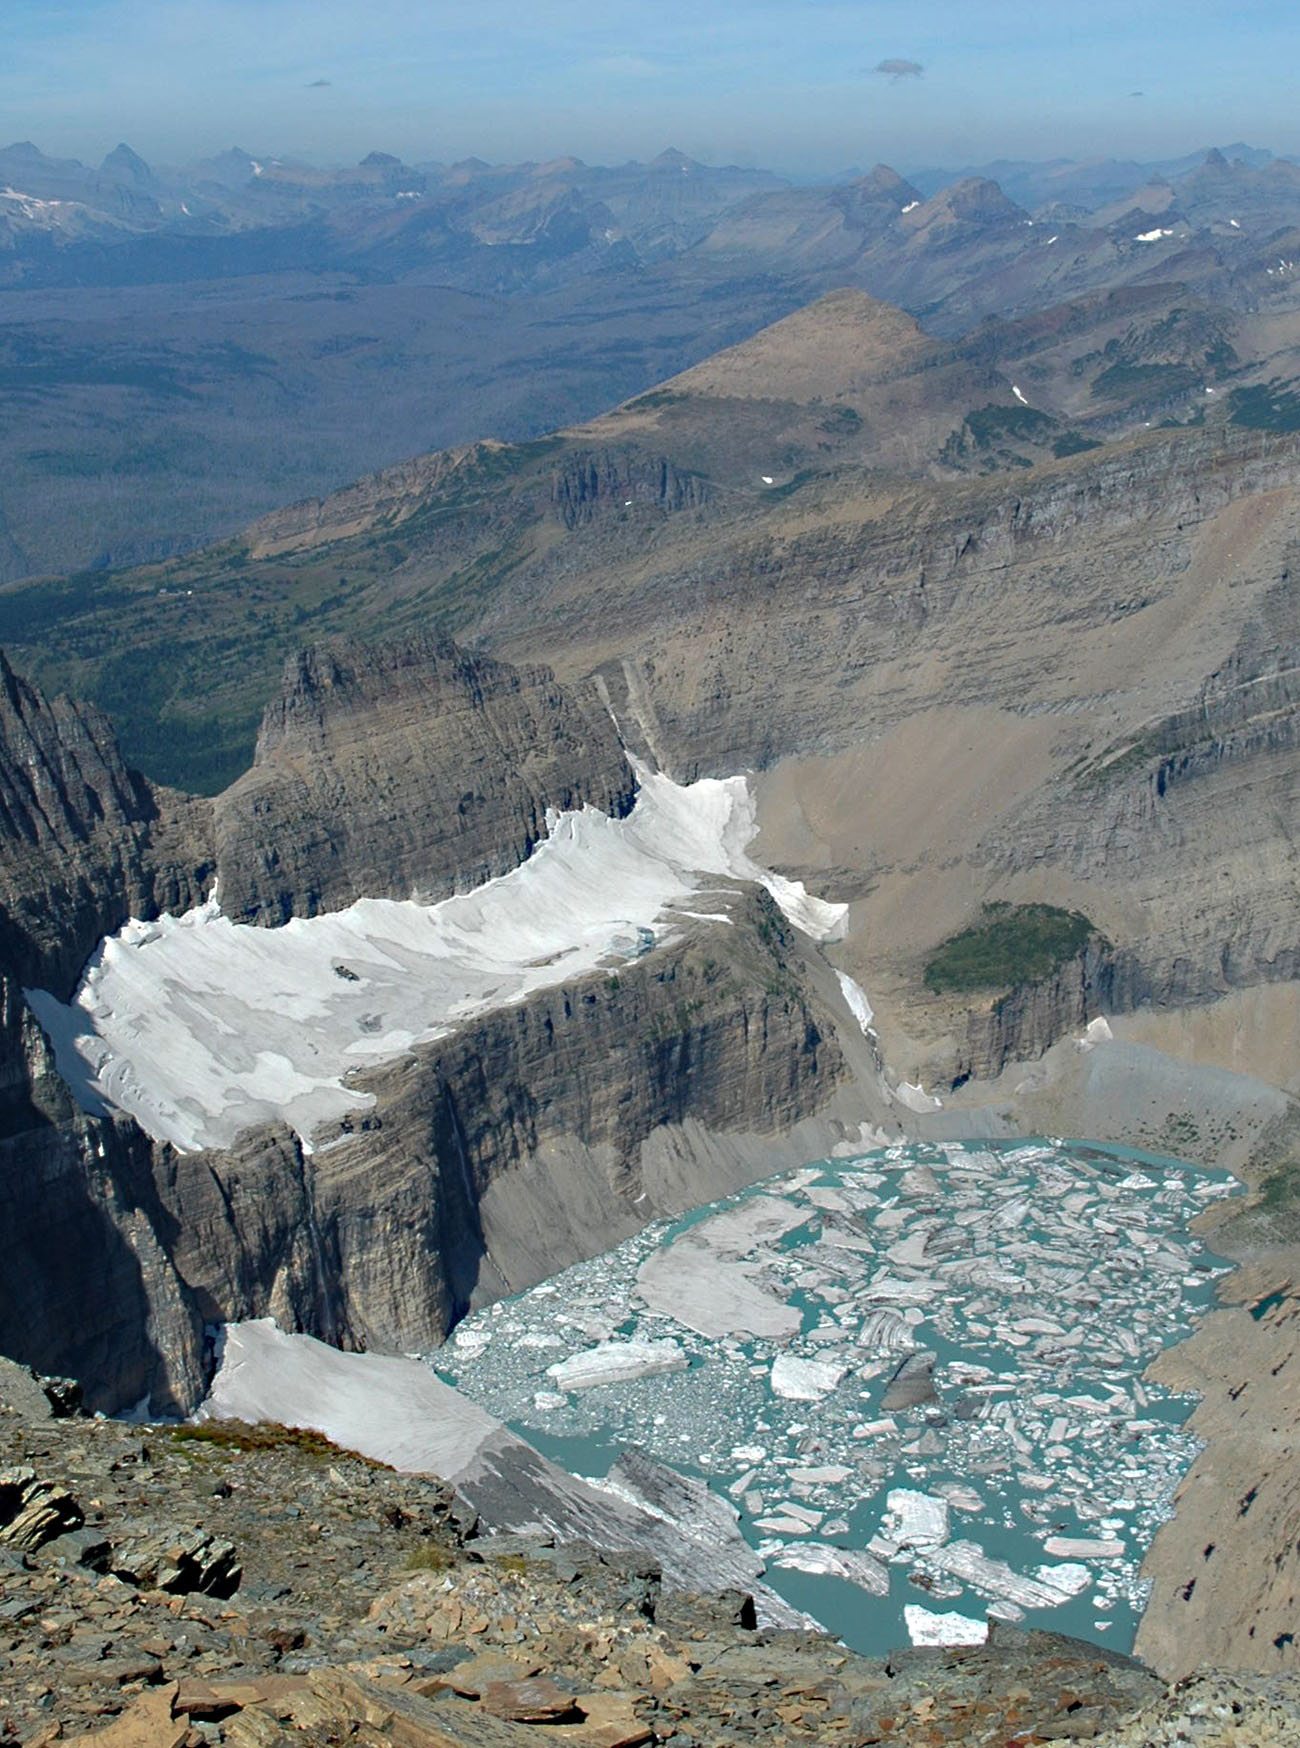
x: 1016, y: 392
x: 911, y: 206
x: 856, y: 997
x: 200, y: 1027
x: 1152, y: 236
x: 915, y: 1097
x: 1095, y: 1032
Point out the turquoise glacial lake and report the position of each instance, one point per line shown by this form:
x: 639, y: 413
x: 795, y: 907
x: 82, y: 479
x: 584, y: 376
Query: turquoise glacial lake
x: 915, y: 1374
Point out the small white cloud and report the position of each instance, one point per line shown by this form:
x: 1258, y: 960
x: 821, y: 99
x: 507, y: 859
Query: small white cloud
x: 897, y: 69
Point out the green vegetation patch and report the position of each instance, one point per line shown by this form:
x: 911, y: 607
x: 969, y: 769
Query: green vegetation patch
x: 1073, y: 443
x: 1011, y: 944
x: 266, y: 1436
x: 430, y: 1558
x: 1144, y: 382
x: 842, y: 422
x: 657, y: 397
x: 1266, y: 406
x: 994, y: 424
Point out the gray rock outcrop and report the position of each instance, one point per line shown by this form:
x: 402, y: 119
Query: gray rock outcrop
x: 405, y: 771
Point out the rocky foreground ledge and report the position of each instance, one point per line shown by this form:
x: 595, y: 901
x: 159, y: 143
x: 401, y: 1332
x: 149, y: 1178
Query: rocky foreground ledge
x: 187, y: 1587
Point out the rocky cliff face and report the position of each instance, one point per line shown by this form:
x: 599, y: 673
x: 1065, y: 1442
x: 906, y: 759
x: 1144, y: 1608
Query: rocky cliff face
x: 585, y: 484
x: 405, y: 771
x: 90, y: 1290
x: 84, y: 843
x: 1079, y: 691
x: 512, y: 1148
x: 540, y: 1134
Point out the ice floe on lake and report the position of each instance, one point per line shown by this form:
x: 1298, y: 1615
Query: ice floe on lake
x: 200, y: 1027
x: 946, y: 1392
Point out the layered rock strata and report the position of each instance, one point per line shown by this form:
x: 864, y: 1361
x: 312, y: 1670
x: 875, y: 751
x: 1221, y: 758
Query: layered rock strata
x: 510, y: 1149
x: 542, y: 1133
x: 405, y: 771
x: 84, y: 842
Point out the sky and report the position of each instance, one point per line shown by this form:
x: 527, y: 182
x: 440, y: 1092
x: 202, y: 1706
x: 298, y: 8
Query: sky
x: 809, y: 86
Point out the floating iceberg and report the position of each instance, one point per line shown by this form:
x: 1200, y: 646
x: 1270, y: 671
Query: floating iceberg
x: 925, y: 1627
x: 804, y: 1380
x: 974, y: 1323
x: 617, y: 1362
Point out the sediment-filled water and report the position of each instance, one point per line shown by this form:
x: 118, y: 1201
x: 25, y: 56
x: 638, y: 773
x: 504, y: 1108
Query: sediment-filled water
x: 917, y: 1375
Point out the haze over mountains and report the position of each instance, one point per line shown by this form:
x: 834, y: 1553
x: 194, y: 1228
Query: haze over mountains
x: 192, y: 349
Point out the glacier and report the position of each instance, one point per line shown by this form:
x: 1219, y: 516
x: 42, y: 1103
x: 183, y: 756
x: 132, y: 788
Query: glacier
x: 200, y: 1027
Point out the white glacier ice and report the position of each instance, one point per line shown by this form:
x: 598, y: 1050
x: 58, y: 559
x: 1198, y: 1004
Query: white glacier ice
x: 200, y: 1027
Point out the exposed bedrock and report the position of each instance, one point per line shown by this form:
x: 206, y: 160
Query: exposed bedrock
x: 404, y: 771
x: 1083, y: 692
x: 84, y: 842
x: 586, y: 484
x: 1192, y: 825
x: 541, y: 1135
x: 89, y: 1287
x: 778, y: 640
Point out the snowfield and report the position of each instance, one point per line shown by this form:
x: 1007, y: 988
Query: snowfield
x: 200, y: 1027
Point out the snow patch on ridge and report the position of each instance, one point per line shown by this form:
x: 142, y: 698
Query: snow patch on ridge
x: 200, y: 1027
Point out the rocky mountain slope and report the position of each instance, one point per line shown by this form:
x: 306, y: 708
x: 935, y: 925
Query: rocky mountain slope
x: 511, y: 1146
x: 409, y: 772
x: 192, y: 349
x: 1003, y: 625
x: 231, y: 1585
x: 755, y: 567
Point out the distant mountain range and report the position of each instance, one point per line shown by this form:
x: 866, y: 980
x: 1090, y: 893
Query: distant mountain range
x: 124, y: 222
x: 189, y: 349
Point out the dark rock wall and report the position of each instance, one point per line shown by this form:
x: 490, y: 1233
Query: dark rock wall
x: 84, y: 843
x: 379, y: 1238
x: 411, y: 771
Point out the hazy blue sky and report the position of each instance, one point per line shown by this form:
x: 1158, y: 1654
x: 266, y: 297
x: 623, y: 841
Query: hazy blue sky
x: 783, y: 82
